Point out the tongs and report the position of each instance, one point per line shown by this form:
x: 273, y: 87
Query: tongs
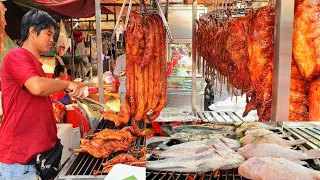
x: 89, y: 102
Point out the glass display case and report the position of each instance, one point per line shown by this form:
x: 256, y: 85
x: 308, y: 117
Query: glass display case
x: 179, y: 63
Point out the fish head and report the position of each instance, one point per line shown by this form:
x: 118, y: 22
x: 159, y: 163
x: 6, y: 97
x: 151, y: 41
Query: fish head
x: 246, y: 148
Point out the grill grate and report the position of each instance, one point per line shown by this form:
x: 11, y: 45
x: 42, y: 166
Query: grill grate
x: 222, y: 117
x: 222, y: 175
x: 84, y: 163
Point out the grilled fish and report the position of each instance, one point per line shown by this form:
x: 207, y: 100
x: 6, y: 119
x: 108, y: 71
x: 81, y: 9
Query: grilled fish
x: 208, y: 161
x: 268, y: 168
x: 277, y: 151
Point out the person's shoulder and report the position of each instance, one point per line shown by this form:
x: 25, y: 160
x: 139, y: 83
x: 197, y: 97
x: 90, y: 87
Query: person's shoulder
x: 18, y: 53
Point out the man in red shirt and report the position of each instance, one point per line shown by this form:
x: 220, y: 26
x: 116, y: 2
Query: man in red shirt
x: 28, y: 127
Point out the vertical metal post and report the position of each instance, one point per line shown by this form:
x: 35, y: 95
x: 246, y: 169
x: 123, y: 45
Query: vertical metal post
x: 167, y: 9
x: 194, y: 56
x: 115, y: 37
x: 73, y: 74
x: 202, y: 69
x: 90, y: 45
x: 99, y: 50
x: 282, y: 60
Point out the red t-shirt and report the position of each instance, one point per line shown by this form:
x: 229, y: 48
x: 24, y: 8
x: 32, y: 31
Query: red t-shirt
x: 28, y: 127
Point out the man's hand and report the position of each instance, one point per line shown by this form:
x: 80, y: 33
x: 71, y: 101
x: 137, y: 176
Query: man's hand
x: 76, y: 92
x: 123, y: 73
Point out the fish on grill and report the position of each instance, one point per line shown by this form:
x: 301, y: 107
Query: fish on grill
x: 268, y: 168
x: 254, y: 137
x: 260, y: 62
x: 197, y: 147
x: 210, y: 160
x: 277, y: 151
x: 253, y: 125
x: 197, y: 136
x: 262, y: 131
x: 231, y: 143
x: 195, y: 128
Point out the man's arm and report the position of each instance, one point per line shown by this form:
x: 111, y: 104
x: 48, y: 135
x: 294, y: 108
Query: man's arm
x: 41, y: 86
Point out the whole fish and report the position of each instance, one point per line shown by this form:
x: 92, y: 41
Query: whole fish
x: 254, y: 125
x: 169, y: 129
x: 197, y: 147
x: 268, y: 168
x: 262, y: 131
x: 196, y: 136
x: 208, y: 161
x: 277, y: 151
x: 256, y: 138
x: 230, y: 143
x: 182, y: 152
x: 195, y: 128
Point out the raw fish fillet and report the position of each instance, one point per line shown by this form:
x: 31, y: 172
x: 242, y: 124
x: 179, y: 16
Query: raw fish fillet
x: 277, y: 151
x: 276, y: 169
x: 255, y: 138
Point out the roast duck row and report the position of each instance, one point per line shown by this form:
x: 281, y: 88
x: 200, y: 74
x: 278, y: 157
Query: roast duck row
x: 242, y: 50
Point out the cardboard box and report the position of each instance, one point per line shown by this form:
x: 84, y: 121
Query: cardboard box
x: 65, y: 133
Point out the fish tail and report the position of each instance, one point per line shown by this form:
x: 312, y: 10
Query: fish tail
x: 313, y: 154
x: 297, y: 142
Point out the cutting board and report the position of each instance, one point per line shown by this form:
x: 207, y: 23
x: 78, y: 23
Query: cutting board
x: 122, y: 171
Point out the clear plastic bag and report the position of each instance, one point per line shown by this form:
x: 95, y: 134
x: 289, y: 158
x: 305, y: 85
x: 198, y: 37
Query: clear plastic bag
x: 62, y: 43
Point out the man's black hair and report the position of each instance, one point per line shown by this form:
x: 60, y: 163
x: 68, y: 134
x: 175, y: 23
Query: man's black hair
x: 39, y: 20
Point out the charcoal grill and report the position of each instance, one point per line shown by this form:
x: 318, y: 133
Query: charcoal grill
x: 82, y: 165
x: 306, y: 131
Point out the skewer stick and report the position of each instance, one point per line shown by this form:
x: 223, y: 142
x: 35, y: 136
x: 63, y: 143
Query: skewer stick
x: 216, y: 78
x: 213, y: 74
x: 236, y: 95
x: 232, y: 93
x: 220, y: 85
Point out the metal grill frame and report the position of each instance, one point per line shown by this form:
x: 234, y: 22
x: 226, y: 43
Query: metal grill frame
x: 165, y: 175
x: 81, y: 165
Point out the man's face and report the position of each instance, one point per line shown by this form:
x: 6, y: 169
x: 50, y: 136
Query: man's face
x: 44, y: 40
